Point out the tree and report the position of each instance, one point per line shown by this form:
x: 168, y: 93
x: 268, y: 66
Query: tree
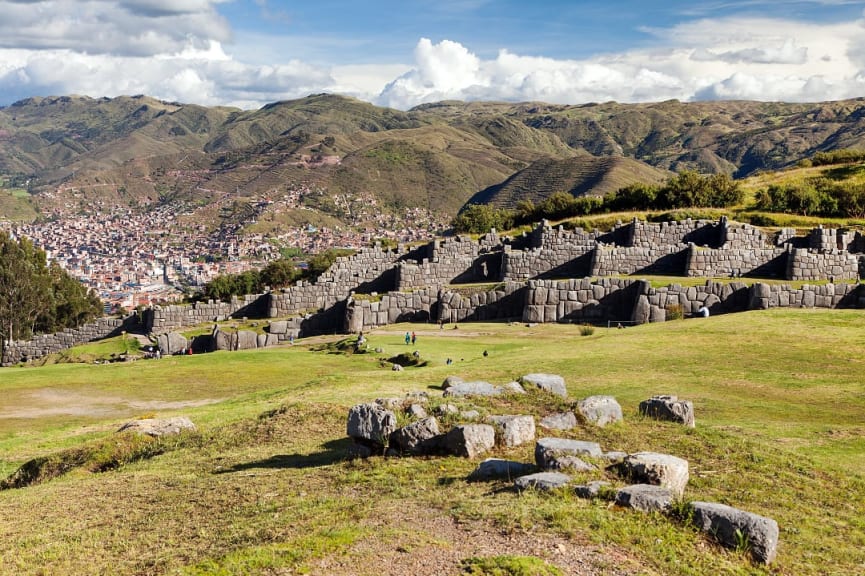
x: 35, y: 297
x: 279, y: 274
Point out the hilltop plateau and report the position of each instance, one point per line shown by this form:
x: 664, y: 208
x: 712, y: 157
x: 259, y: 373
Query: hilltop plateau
x: 330, y: 156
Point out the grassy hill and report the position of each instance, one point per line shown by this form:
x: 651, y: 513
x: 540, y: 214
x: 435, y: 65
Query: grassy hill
x: 579, y: 176
x: 263, y: 486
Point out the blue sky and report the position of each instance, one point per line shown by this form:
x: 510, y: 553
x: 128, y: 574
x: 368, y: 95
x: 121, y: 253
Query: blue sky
x: 250, y: 52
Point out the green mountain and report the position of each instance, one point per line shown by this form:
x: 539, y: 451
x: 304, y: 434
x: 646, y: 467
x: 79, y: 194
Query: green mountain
x: 138, y: 150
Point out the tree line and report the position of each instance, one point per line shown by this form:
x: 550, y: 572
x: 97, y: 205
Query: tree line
x: 687, y: 189
x: 277, y: 274
x: 38, y: 297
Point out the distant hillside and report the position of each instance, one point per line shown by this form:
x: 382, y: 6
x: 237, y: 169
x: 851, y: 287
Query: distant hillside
x: 75, y: 151
x: 579, y: 176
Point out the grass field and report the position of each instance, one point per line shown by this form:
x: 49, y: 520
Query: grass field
x: 264, y: 488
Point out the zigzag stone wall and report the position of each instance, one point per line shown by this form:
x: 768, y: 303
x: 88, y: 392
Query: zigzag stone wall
x: 528, y: 265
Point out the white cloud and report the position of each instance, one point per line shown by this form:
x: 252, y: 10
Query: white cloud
x: 175, y: 50
x: 734, y: 58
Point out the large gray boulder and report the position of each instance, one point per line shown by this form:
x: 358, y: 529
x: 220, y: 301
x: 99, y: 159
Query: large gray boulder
x: 172, y: 343
x: 551, y: 383
x: 479, y: 388
x: 470, y: 440
x: 371, y: 424
x: 559, y: 453
x: 498, y: 468
x: 669, y: 408
x: 246, y: 340
x: 600, y: 410
x: 513, y: 430
x: 421, y: 437
x: 544, y: 481
x: 592, y: 489
x: 733, y: 528
x: 645, y: 498
x: 156, y: 427
x: 664, y: 470
x: 559, y: 421
x: 222, y: 340
x: 278, y: 327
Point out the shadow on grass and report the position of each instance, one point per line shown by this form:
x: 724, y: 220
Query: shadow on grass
x: 334, y: 451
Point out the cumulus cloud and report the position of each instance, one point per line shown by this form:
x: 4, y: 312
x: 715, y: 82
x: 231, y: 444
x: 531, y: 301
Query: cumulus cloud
x: 122, y: 27
x: 175, y: 50
x: 732, y: 58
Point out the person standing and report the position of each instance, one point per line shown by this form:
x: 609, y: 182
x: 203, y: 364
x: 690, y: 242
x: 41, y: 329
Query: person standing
x: 407, y: 338
x: 413, y: 338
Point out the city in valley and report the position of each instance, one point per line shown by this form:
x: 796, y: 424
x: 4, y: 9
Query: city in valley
x: 162, y: 253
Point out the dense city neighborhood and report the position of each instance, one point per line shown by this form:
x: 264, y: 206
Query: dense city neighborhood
x: 141, y: 257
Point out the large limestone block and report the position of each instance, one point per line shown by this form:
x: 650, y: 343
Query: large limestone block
x: 544, y: 481
x: 278, y: 327
x: 559, y: 421
x: 558, y: 453
x: 470, y: 440
x: 658, y: 469
x: 600, y: 410
x: 498, y: 468
x: 246, y: 340
x: 513, y: 430
x: 730, y: 525
x: 478, y: 388
x: 371, y: 422
x: 421, y: 437
x: 551, y: 383
x: 645, y: 498
x: 669, y: 408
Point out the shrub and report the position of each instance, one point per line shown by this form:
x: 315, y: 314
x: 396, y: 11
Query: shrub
x: 586, y: 330
x: 675, y: 312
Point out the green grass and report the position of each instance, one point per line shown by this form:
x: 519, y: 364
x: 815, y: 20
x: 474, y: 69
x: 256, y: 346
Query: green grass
x: 262, y: 489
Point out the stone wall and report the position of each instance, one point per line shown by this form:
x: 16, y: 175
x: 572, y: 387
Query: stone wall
x: 162, y: 319
x: 735, y: 262
x: 580, y: 300
x: 393, y: 307
x: 737, y: 236
x: 25, y: 350
x: 503, y: 302
x: 457, y: 260
x: 810, y: 265
x: 663, y: 260
x: 653, y: 234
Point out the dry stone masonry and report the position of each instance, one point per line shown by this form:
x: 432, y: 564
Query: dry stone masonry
x: 548, y: 275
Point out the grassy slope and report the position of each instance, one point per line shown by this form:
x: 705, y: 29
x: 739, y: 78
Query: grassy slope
x: 780, y: 432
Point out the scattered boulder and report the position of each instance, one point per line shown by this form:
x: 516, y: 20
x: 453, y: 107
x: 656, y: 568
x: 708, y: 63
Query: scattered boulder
x: 665, y: 470
x: 451, y: 381
x: 544, y: 481
x: 591, y: 490
x: 645, y: 498
x: 391, y: 403
x: 371, y: 424
x: 733, y: 527
x: 551, y: 383
x: 669, y: 408
x: 478, y: 388
x: 421, y: 437
x: 157, y: 427
x: 513, y: 388
x: 445, y: 409
x: 498, y: 468
x: 559, y: 453
x: 416, y: 411
x: 470, y: 414
x: 470, y: 440
x: 559, y: 421
x: 513, y: 430
x: 396, y: 367
x: 600, y: 410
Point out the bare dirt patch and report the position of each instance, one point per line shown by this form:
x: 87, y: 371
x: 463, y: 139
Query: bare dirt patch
x: 53, y: 402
